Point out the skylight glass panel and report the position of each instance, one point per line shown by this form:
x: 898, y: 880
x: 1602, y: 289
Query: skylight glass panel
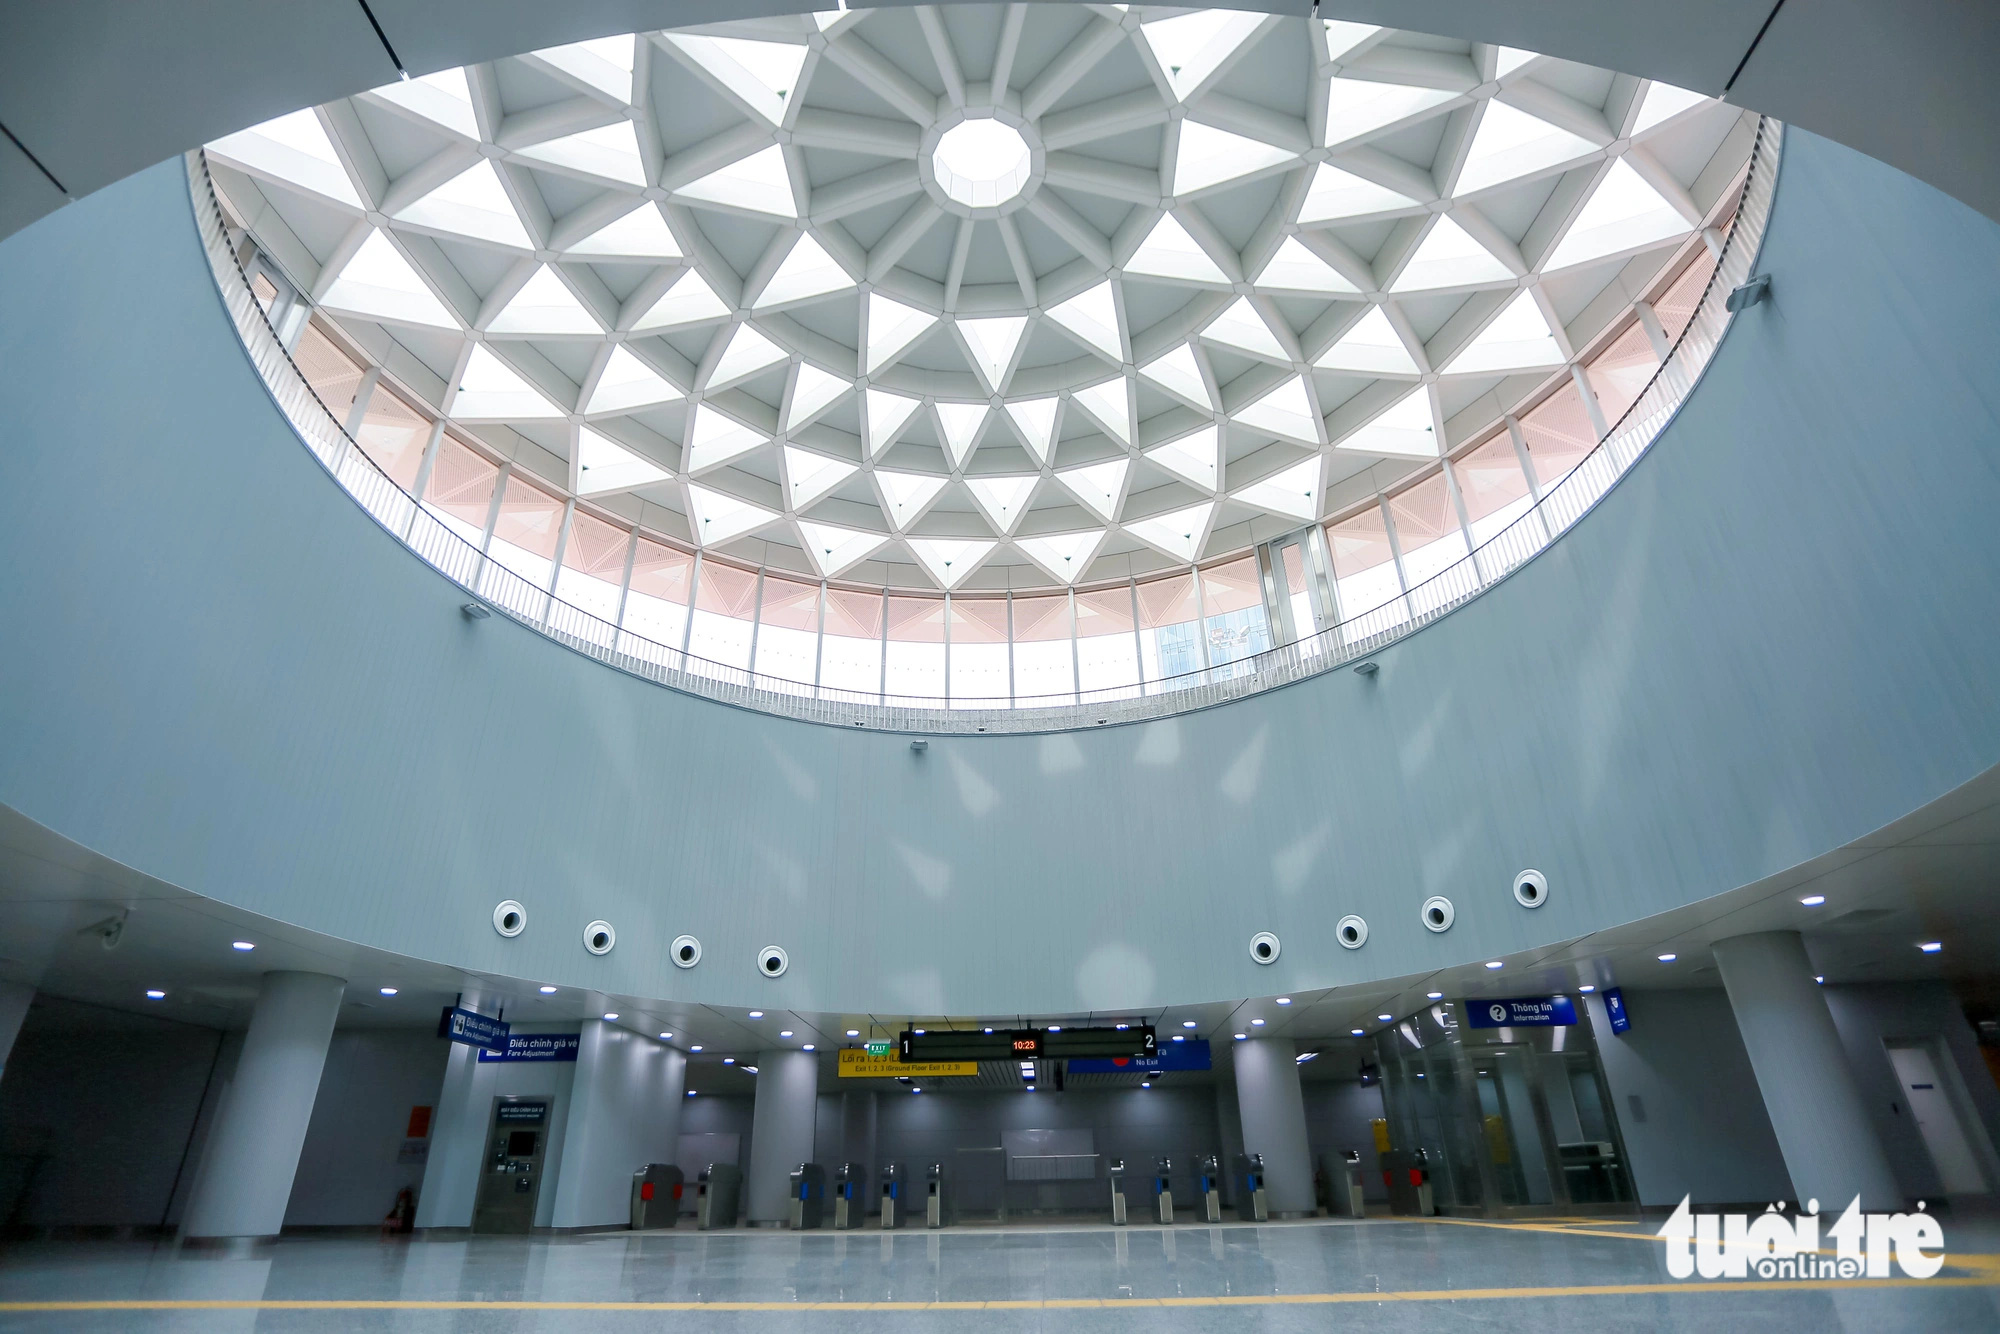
x: 1403, y: 429
x: 834, y: 548
x: 688, y: 300
x: 905, y: 495
x: 807, y: 271
x: 1092, y: 315
x: 1509, y: 59
x: 1178, y: 534
x: 1356, y: 107
x: 1292, y: 493
x: 992, y: 343
x: 628, y: 383
x: 472, y: 203
x: 1110, y: 405
x: 813, y: 475
x: 1035, y: 421
x: 716, y: 439
x: 1623, y: 213
x: 761, y: 74
x: 604, y: 63
x: 1337, y: 194
x: 491, y: 390
x: 1191, y: 47
x: 1208, y: 156
x: 1342, y: 37
x: 1286, y: 410
x: 1241, y: 327
x: 756, y: 184
x: 1371, y: 346
x: 1449, y: 257
x: 1003, y: 498
x: 949, y: 560
x: 1192, y: 458
x: 545, y: 307
x: 609, y: 151
x: 812, y: 391
x: 719, y: 517
x: 1510, y: 144
x: 1179, y: 374
x: 959, y: 423
x: 892, y: 327
x: 982, y: 162
x: 1098, y: 485
x: 443, y: 98
x: 378, y: 283
x: 603, y: 465
x: 747, y: 352
x: 1518, y: 339
x: 887, y: 415
x: 1294, y: 268
x: 1663, y: 102
x: 295, y: 149
x: 1064, y: 555
x: 1169, y: 252
x: 640, y: 234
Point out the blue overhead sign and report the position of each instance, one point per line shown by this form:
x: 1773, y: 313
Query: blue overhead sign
x: 1172, y: 1056
x: 474, y: 1030
x: 1534, y: 1012
x: 535, y: 1047
x: 1614, y: 1005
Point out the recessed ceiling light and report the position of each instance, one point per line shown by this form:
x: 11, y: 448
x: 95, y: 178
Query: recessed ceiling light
x: 756, y: 1014
x: 241, y: 945
x: 1284, y: 1000
x: 1434, y: 995
x: 156, y: 995
x: 1931, y: 946
x: 695, y: 1047
x: 1383, y: 1017
x: 1242, y: 1036
x: 1179, y: 1038
x: 916, y: 1090
x: 1496, y: 964
x: 610, y: 1015
x: 729, y: 1060
x: 1357, y: 1032
x: 1145, y: 1083
x: 920, y: 1031
x: 1586, y: 987
x: 1189, y: 1023
x: 786, y: 1033
x: 807, y: 1047
x: 1813, y: 900
x: 1668, y: 958
x: 750, y: 1069
x: 548, y: 991
x: 1055, y: 1028
x: 387, y: 991
x: 854, y: 1032
x: 665, y: 1036
x: 1256, y: 1023
x: 691, y: 1093
x: 986, y: 1030
x: 1820, y: 980
x: 1120, y: 1027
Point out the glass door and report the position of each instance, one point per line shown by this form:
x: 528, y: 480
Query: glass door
x: 1298, y: 595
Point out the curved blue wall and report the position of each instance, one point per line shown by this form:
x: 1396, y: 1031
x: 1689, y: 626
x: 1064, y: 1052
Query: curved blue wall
x: 1775, y: 636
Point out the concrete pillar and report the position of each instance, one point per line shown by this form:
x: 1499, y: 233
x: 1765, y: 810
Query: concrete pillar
x: 1229, y: 1121
x: 857, y: 1142
x: 458, y: 1134
x: 253, y: 1152
x: 14, y: 1002
x: 624, y: 1112
x: 781, y: 1132
x: 1274, y: 1122
x: 1831, y: 1150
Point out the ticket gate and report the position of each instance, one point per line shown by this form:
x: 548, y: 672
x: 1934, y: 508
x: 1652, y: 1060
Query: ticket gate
x: 847, y: 1201
x: 808, y: 1196
x: 1117, y: 1169
x: 1406, y: 1172
x: 1340, y: 1174
x: 1163, y: 1189
x: 656, y: 1196
x: 1252, y: 1205
x: 892, y: 1194
x: 934, y: 1196
x: 1208, y: 1187
x: 716, y: 1193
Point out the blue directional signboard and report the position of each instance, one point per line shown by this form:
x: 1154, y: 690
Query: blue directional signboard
x: 1614, y: 1005
x: 1533, y: 1012
x: 474, y: 1030
x: 535, y: 1047
x: 1170, y: 1056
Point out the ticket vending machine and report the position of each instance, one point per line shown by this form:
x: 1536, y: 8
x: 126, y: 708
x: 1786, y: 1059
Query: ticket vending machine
x: 715, y: 1196
x: 1251, y: 1206
x: 510, y: 1180
x: 847, y: 1201
x: 1209, y: 1188
x: 934, y: 1196
x: 1163, y: 1189
x: 656, y: 1196
x: 892, y: 1194
x: 808, y: 1196
x: 1117, y: 1169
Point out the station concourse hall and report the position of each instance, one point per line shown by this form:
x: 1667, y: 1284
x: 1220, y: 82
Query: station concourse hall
x: 999, y: 667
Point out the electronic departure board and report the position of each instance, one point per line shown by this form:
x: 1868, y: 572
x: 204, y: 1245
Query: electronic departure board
x: 1025, y: 1044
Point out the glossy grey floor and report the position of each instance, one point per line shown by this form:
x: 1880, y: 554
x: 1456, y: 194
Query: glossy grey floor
x: 1386, y: 1274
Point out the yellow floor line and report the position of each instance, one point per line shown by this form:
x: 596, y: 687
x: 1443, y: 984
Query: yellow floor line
x: 1689, y: 1288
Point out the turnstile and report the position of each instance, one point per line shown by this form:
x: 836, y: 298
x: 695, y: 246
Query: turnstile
x: 1117, y: 1169
x: 656, y: 1196
x: 892, y: 1194
x: 1163, y: 1189
x: 716, y: 1192
x: 1251, y: 1205
x: 934, y: 1196
x: 808, y: 1196
x: 1406, y: 1172
x: 847, y: 1202
x: 1209, y: 1188
x: 1341, y: 1172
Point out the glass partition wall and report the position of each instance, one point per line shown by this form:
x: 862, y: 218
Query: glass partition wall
x: 1511, y: 1121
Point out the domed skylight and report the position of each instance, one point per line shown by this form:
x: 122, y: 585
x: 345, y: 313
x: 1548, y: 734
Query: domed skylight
x: 985, y: 296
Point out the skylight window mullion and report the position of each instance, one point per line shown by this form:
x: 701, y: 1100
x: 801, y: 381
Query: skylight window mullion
x: 625, y: 580
x: 423, y: 482
x: 1396, y: 554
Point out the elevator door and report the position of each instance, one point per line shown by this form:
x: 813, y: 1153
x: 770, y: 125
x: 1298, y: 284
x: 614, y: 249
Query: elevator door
x: 1297, y: 594
x: 510, y: 1178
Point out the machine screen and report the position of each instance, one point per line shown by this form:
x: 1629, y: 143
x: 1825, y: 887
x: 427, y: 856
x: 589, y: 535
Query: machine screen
x: 521, y: 1143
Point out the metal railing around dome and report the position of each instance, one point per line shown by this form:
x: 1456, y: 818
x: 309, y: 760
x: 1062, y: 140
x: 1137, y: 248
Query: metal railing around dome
x: 1353, y: 639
